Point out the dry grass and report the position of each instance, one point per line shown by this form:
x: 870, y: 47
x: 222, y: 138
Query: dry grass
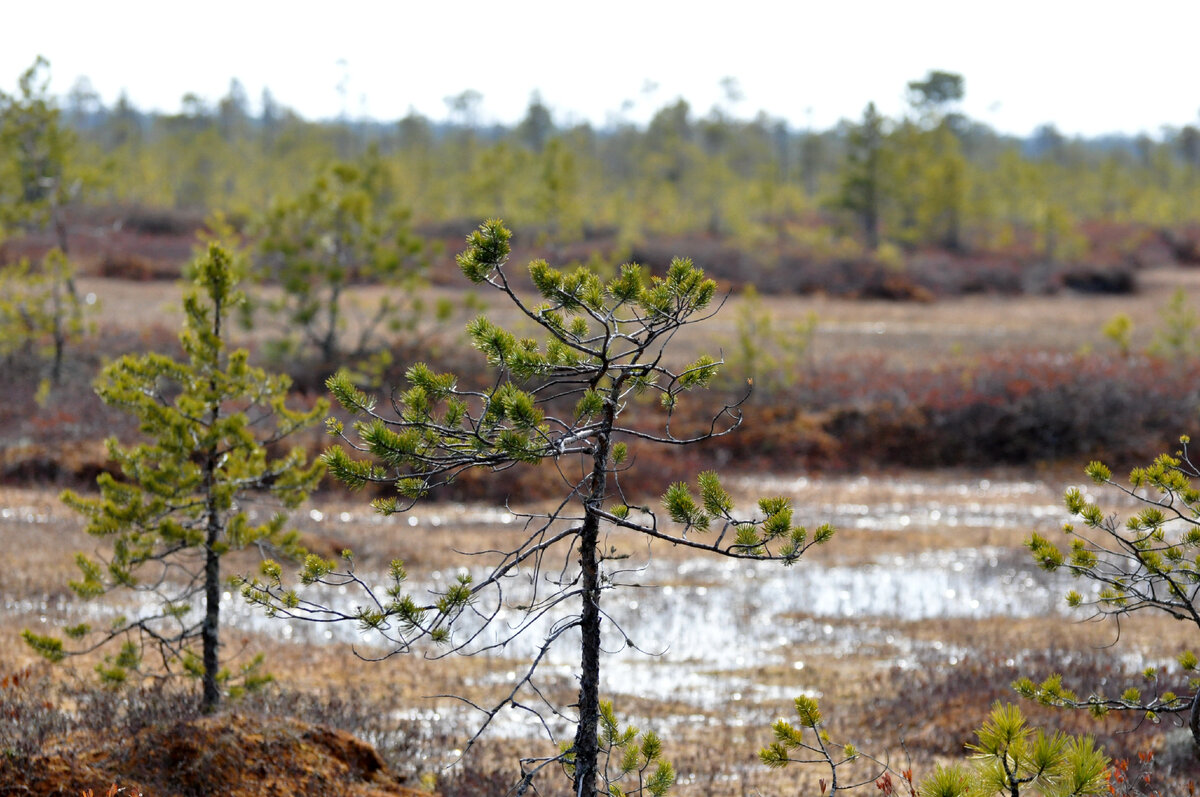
x: 944, y: 331
x: 876, y: 693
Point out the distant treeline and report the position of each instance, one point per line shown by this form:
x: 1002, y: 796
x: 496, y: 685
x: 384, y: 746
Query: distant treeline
x: 931, y: 203
x: 932, y: 178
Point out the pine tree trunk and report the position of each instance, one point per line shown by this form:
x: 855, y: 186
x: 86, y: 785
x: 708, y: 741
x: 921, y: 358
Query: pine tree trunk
x: 209, y: 631
x: 60, y: 224
x: 587, y: 750
x: 329, y: 339
x: 587, y: 745
x: 210, y: 628
x: 59, y: 345
x: 871, y: 212
x: 60, y: 334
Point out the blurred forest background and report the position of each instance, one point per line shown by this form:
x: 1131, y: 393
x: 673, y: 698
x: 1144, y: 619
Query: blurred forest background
x: 930, y: 185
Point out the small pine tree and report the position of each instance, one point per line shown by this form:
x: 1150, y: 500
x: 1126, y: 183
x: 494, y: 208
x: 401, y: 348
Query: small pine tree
x: 631, y: 766
x: 771, y: 358
x: 1179, y: 335
x: 810, y: 743
x: 1119, y: 331
x: 1008, y: 757
x: 560, y: 400
x: 41, y: 170
x: 1151, y: 562
x: 315, y: 246
x: 179, y: 508
x: 34, y: 154
x: 39, y: 308
x: 1011, y: 756
x: 39, y: 176
x: 862, y: 191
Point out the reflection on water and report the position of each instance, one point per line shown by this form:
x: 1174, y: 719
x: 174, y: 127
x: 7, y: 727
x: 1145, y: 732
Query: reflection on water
x: 715, y: 618
x: 25, y: 514
x: 695, y: 638
x: 700, y: 635
x: 895, y: 503
x: 718, y: 599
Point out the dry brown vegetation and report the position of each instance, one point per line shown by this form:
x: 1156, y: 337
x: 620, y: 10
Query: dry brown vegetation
x: 912, y: 687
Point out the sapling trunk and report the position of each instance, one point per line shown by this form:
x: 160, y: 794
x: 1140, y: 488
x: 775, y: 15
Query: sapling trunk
x: 211, y: 628
x: 210, y: 631
x: 1194, y: 723
x: 587, y: 750
x: 587, y: 744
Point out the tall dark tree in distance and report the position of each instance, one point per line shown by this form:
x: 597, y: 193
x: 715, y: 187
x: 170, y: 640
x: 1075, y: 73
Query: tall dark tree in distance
x: 862, y: 177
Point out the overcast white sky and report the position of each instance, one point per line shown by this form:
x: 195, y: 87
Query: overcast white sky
x: 1088, y: 67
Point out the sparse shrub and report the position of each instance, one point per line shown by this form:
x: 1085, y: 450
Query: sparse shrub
x: 1119, y: 331
x: 1179, y: 334
x: 1011, y: 408
x: 769, y: 357
x: 1099, y: 279
x: 161, y: 221
x: 1007, y: 758
x: 28, y: 717
x: 114, y: 791
x: 133, y: 267
x: 890, y: 256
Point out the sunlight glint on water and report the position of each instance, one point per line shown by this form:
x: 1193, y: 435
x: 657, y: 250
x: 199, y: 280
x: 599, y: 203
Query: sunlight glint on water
x: 701, y: 626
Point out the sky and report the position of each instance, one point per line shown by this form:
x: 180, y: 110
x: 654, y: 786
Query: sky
x: 1090, y: 68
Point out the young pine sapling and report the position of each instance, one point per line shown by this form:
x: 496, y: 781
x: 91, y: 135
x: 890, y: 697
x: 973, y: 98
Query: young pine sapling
x: 178, y: 507
x: 560, y: 400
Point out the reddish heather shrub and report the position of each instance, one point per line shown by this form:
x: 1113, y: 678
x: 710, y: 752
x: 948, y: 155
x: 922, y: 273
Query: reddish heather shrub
x: 1008, y: 409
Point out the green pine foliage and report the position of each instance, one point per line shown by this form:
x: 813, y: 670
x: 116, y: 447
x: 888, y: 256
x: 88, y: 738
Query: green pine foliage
x: 40, y: 312
x: 344, y: 229
x: 1148, y: 562
x: 35, y: 152
x: 1118, y: 330
x: 41, y: 172
x: 767, y: 354
x: 631, y: 764
x: 1008, y: 758
x: 557, y: 399
x: 863, y: 190
x: 178, y: 504
x: 1179, y: 334
x: 807, y: 742
x: 927, y: 177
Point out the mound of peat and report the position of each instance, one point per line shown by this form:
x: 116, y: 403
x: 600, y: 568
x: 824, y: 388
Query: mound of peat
x: 228, y: 754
